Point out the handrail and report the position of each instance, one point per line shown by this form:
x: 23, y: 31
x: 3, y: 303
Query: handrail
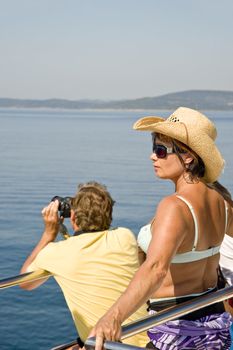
x: 65, y: 346
x: 163, y: 316
x: 175, y: 312
x: 135, y: 327
x: 109, y: 345
x: 24, y: 277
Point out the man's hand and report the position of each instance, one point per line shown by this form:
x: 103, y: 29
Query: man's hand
x: 51, y: 220
x: 107, y: 328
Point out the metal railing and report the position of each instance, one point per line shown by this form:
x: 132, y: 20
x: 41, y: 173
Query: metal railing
x: 161, y: 317
x: 136, y: 327
x: 23, y: 278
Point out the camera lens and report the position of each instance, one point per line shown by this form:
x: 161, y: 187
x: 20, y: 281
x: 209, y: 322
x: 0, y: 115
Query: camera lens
x: 64, y: 205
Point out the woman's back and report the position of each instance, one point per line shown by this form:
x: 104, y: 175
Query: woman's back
x: 209, y: 210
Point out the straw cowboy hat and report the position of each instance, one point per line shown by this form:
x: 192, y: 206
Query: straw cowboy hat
x: 193, y: 129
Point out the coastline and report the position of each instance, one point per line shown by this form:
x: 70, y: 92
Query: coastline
x: 103, y: 110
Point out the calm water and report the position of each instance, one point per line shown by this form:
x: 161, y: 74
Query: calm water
x: 47, y: 153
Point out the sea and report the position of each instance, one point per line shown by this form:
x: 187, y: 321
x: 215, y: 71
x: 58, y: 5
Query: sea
x: 44, y: 153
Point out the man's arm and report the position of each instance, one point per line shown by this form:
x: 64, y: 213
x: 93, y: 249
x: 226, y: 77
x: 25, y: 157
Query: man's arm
x: 141, y: 256
x: 51, y: 221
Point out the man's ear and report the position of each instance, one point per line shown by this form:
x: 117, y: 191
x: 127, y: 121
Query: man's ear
x: 72, y: 216
x: 73, y: 220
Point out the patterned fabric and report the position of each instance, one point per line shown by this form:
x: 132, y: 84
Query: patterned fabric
x: 207, y: 333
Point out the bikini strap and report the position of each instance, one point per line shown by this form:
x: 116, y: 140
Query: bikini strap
x: 226, y: 216
x: 196, y: 233
x: 152, y: 221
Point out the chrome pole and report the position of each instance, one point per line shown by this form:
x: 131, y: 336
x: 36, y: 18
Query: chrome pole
x: 140, y: 325
x: 65, y: 346
x: 23, y: 278
x: 169, y: 314
x: 176, y: 311
x: 110, y: 345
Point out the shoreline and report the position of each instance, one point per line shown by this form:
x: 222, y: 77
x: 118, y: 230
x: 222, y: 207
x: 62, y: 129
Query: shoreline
x: 60, y: 109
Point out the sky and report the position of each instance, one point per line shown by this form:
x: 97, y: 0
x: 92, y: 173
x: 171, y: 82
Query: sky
x: 114, y: 49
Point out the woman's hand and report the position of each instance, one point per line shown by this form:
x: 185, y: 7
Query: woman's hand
x: 107, y: 328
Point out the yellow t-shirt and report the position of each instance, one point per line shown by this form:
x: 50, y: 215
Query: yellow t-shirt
x: 93, y: 270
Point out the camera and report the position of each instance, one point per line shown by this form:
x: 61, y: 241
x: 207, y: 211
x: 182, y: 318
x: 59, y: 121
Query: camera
x: 64, y: 205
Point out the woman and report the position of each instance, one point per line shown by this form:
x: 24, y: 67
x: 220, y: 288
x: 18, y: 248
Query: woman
x: 183, y: 240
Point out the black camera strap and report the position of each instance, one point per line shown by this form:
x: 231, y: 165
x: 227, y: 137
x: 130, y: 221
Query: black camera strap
x: 80, y: 232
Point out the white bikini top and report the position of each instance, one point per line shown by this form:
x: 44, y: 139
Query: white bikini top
x: 144, y: 238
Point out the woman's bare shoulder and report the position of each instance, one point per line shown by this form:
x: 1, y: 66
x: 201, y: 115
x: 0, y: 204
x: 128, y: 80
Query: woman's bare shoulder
x: 171, y: 203
x: 172, y: 210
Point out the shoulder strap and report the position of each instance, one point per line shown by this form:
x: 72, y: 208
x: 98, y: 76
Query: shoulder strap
x: 226, y: 216
x: 196, y: 233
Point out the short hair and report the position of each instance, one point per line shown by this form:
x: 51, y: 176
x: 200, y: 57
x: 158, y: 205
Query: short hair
x: 196, y: 169
x: 92, y: 207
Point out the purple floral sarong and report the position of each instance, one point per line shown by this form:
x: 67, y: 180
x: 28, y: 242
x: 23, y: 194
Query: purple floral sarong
x: 207, y: 333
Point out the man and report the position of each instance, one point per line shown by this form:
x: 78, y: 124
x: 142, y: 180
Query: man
x: 94, y: 266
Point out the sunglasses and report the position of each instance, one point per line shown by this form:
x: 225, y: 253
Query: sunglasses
x: 162, y: 151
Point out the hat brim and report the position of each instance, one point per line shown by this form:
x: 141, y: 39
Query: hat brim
x: 200, y: 143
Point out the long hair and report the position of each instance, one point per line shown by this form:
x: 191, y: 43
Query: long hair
x: 221, y: 190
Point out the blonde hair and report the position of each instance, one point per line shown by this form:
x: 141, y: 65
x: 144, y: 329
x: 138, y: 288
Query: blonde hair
x: 92, y: 207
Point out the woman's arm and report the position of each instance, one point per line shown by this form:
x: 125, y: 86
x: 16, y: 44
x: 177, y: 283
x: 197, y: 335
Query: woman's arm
x: 167, y: 234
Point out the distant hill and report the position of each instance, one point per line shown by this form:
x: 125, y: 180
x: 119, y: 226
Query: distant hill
x: 199, y: 99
